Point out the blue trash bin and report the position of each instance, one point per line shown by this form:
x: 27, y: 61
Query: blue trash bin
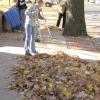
x: 13, y: 18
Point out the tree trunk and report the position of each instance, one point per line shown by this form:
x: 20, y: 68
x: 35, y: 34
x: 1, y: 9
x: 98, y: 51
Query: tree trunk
x: 75, y: 19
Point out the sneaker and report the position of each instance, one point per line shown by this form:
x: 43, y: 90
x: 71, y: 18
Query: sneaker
x: 35, y: 52
x: 28, y: 54
x: 37, y: 40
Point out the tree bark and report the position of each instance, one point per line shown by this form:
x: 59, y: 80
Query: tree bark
x: 75, y: 18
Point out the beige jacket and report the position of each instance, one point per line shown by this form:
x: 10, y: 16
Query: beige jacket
x: 62, y: 6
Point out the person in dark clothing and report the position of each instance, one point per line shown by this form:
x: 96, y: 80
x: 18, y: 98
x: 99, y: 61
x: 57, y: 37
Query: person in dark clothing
x: 21, y: 5
x: 62, y: 14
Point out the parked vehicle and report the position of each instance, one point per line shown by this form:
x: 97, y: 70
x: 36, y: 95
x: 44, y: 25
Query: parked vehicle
x: 49, y: 3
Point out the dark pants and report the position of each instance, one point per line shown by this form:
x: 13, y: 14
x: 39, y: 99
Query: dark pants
x: 59, y: 19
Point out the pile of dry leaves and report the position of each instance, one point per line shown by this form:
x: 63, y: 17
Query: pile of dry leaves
x: 56, y: 77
